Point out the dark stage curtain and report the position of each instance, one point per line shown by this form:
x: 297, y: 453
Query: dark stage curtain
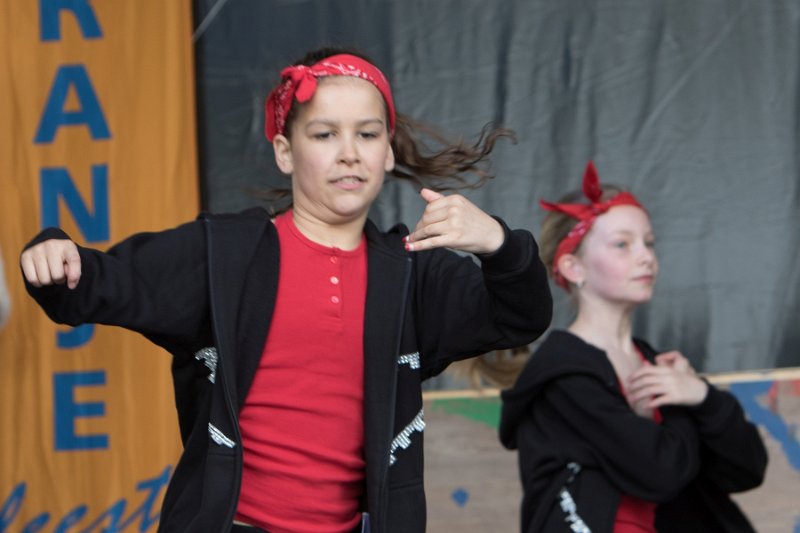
x: 692, y: 105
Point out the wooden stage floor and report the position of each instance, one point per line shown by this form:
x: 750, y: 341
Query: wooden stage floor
x: 472, y: 484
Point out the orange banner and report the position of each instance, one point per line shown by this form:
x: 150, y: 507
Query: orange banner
x: 98, y: 137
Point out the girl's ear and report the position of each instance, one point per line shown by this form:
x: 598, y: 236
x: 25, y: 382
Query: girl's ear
x: 283, y: 154
x: 571, y: 267
x: 388, y: 165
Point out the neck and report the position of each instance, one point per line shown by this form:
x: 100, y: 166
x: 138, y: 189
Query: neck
x: 345, y: 235
x: 604, y: 324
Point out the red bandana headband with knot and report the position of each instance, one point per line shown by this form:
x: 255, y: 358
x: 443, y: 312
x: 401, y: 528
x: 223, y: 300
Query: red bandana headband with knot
x: 300, y: 81
x: 586, y: 214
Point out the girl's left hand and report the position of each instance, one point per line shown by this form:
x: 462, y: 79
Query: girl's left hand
x: 671, y: 381
x: 454, y: 222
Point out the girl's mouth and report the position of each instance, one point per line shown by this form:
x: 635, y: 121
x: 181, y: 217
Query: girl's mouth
x: 348, y: 182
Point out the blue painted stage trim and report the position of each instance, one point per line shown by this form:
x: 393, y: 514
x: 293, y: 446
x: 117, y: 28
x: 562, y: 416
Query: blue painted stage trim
x: 747, y: 394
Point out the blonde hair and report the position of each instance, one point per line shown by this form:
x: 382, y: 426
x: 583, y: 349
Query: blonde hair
x: 556, y: 225
x: 495, y: 369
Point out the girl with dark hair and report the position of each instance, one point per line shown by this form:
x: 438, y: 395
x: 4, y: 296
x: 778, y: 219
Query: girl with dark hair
x: 300, y: 342
x: 455, y: 165
x: 614, y: 436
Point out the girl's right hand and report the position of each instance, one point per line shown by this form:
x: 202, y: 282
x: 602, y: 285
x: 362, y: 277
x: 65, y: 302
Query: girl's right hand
x: 454, y: 222
x: 52, y: 262
x: 671, y: 381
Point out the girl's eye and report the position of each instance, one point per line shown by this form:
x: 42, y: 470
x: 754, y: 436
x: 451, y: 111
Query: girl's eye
x: 650, y: 244
x: 322, y: 135
x: 369, y: 134
x: 621, y: 244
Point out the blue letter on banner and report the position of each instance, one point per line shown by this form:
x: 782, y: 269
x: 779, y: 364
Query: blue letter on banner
x: 56, y: 182
x: 11, y: 507
x: 67, y: 410
x: 55, y: 116
x: 76, y: 337
x: 49, y: 21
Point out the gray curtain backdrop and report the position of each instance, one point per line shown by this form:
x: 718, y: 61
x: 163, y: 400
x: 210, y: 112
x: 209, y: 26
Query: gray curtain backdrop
x: 691, y: 104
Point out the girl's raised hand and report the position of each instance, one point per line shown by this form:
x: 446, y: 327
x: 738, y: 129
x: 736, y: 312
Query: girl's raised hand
x: 454, y: 222
x: 52, y: 262
x: 671, y: 381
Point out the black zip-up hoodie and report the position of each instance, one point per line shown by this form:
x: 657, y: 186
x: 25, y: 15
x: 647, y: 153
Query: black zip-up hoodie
x: 567, y: 408
x: 205, y: 291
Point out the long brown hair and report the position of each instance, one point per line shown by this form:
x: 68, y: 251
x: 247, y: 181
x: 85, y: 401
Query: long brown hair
x: 450, y: 165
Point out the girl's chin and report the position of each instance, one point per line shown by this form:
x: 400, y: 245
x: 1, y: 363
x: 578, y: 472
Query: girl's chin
x: 350, y: 212
x: 350, y: 206
x: 644, y: 298
x: 638, y: 298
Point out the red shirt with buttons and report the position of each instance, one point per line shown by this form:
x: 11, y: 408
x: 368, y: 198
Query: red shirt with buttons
x: 302, y: 421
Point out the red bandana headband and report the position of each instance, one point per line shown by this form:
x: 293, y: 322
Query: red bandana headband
x: 586, y: 214
x: 300, y: 81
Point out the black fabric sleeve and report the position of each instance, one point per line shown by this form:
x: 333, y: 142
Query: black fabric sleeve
x: 464, y: 310
x: 153, y: 283
x: 734, y: 456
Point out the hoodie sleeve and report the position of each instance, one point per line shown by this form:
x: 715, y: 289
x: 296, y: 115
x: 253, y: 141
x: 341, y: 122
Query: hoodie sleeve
x: 641, y: 457
x: 153, y: 283
x: 464, y: 309
x: 734, y: 456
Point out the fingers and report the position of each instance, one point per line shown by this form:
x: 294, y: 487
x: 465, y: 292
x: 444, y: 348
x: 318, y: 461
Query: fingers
x: 441, y: 208
x: 669, y: 358
x: 666, y: 358
x: 650, y: 381
x: 433, y: 235
x: 441, y: 223
x: 55, y: 261
x: 660, y: 386
x: 676, y: 360
x: 454, y: 222
x: 647, y: 370
x: 72, y: 266
x: 29, y: 269
x: 645, y: 386
x: 642, y: 409
x: 430, y: 196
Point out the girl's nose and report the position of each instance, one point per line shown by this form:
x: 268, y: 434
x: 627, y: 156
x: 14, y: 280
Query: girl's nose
x: 647, y: 253
x: 349, y: 151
